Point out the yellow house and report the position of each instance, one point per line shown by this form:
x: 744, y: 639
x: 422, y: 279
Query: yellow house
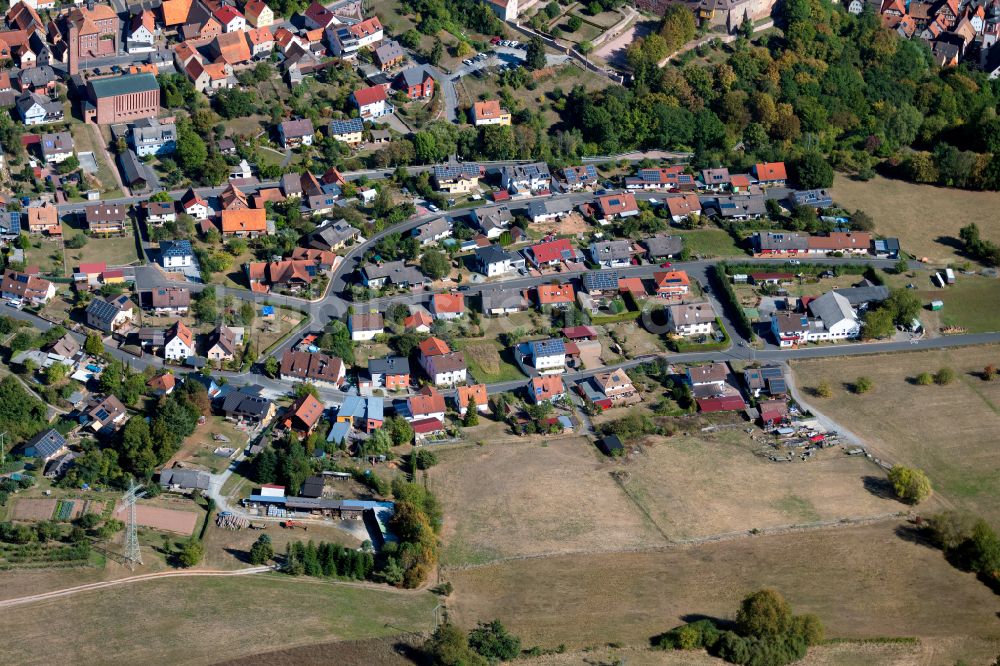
x: 457, y: 178
x: 348, y: 131
x: 258, y: 14
x: 489, y: 113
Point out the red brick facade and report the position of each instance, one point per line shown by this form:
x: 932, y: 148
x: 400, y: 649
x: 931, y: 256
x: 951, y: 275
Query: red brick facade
x: 126, y: 108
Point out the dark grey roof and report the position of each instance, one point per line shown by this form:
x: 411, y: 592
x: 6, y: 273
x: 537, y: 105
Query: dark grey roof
x: 106, y: 310
x: 330, y: 234
x: 549, y: 207
x: 390, y: 50
x: 859, y: 295
x: 492, y: 254
x: 414, y: 76
x: 312, y: 487
x: 46, y: 443
x: 347, y: 126
x: 37, y: 76
x: 133, y: 170
x: 246, y: 401
x: 390, y: 365
x: 548, y: 347
x: 601, y: 281
x: 184, y: 478
x: 397, y: 272
x: 453, y: 171
x: 179, y: 248
x: 664, y: 246
x: 503, y: 298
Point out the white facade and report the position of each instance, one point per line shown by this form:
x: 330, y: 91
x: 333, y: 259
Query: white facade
x: 376, y: 109
x: 197, y: 211
x: 495, y: 268
x: 176, y: 350
x: 450, y: 378
x: 181, y: 261
x: 365, y: 335
x: 551, y: 364
x: 141, y: 40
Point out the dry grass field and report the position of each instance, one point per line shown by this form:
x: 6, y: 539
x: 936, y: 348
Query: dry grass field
x: 925, y: 218
x: 949, y: 431
x: 226, y: 549
x: 486, y: 360
x: 506, y: 500
x: 203, y: 620
x: 706, y: 485
x: 864, y: 582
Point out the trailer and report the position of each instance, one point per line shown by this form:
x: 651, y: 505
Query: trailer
x: 937, y: 305
x: 939, y: 280
x: 949, y: 275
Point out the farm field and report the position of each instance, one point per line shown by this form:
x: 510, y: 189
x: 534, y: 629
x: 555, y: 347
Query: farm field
x: 488, y: 361
x: 862, y: 581
x: 713, y: 484
x: 504, y: 500
x: 199, y: 620
x: 925, y: 218
x: 948, y: 431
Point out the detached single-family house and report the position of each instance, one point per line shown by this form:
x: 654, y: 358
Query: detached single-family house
x: 389, y: 54
x: 222, y: 343
x: 105, y: 415
x: 433, y: 231
x: 295, y: 133
x: 365, y: 413
x: 613, y: 206
x: 559, y: 296
x: 29, y: 288
x: 346, y: 40
x: 663, y: 247
x: 45, y: 219
x: 371, y: 102
x: 349, y: 131
x: 176, y: 255
x: 443, y: 366
x: 672, y: 284
x: 580, y: 177
x: 246, y: 405
x: 683, y: 206
x: 44, y: 446
x: 258, y: 14
x: 415, y: 83
x: 548, y: 210
x: 195, y: 206
x: 548, y: 357
x: 770, y: 174
x: 546, y: 389
x: 167, y: 300
x: 34, y: 109
x: 303, y: 414
x: 457, y: 178
x: 57, y: 148
x: 364, y: 327
x: 476, y: 394
x: 489, y: 113
x: 107, y: 218
x: 612, y: 254
x: 552, y: 253
x: 428, y: 403
x: 158, y: 213
x: 315, y: 367
x: 391, y: 373
x: 493, y: 260
x: 111, y: 314
x: 493, y: 220
x: 691, y: 319
x: 526, y: 178
x: 179, y: 343
x: 503, y: 301
x: 447, y: 306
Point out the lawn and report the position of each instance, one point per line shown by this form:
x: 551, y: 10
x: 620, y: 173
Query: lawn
x: 586, y: 33
x: 963, y: 302
x: 84, y: 141
x: 533, y: 497
x: 48, y: 256
x: 199, y: 621
x: 925, y: 218
x: 948, y: 431
x: 489, y: 362
x: 197, y: 449
x: 863, y: 582
x: 115, y: 251
x: 710, y: 243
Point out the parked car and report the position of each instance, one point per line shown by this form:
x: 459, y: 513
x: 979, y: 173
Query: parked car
x: 433, y: 208
x: 467, y: 62
x: 794, y: 262
x: 494, y: 41
x: 666, y: 264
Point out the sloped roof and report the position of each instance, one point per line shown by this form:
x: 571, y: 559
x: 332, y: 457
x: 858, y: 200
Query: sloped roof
x: 250, y: 220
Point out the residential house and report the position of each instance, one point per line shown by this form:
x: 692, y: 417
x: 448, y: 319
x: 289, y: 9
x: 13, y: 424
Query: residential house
x: 230, y: 18
x: 149, y: 136
x: 315, y: 367
x: 672, y: 284
x: 661, y: 178
x: 493, y: 260
x: 612, y: 254
x: 258, y: 14
x: 476, y: 394
x: 715, y: 180
x: 813, y: 198
x: 56, y: 148
x: 241, y: 171
x: 195, y: 206
x: 103, y: 218
x: 44, y: 446
x: 261, y: 42
x: 222, y: 344
x: 167, y: 300
x: 288, y: 275
x: 303, y: 414
x: 447, y: 306
x: 248, y: 223
x: 503, y: 301
x: 770, y: 174
x: 551, y: 253
x: 546, y: 389
x: 839, y: 320
x: 579, y: 177
x: 332, y: 235
x: 44, y: 219
x: 883, y: 248
x: 663, y: 247
x: 433, y: 231
x: 548, y: 357
x: 493, y: 220
x: 395, y: 273
x: 415, y: 83
x: 183, y: 480
x: 179, y: 343
x: 391, y: 373
x: 428, y: 403
x: 295, y: 133
x: 601, y: 284
x: 507, y: 10
x: 105, y: 415
x: 418, y: 322
x: 345, y: 41
x: 779, y: 243
x: 365, y: 327
x: 365, y: 413
x: 443, y: 366
x: 66, y: 346
x: 526, y: 178
x: 33, y: 109
x: 683, y: 207
x: 714, y: 376
x: 158, y: 213
x: 110, y: 314
x: 176, y: 255
x: 28, y: 288
x: 617, y: 387
x: 349, y: 131
x: 546, y: 210
x: 559, y: 296
x: 457, y: 178
x: 389, y: 54
x: 691, y: 319
x: 141, y: 35
x: 209, y: 77
x: 324, y: 260
x: 790, y: 328
x: 246, y: 405
x: 613, y: 206
x: 371, y: 102
x: 740, y: 206
x: 844, y: 242
x: 489, y: 113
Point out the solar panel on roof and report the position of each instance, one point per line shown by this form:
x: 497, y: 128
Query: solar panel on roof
x: 777, y: 385
x: 102, y: 414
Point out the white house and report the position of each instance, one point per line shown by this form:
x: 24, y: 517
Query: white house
x: 34, y: 109
x: 493, y: 260
x: 295, y: 133
x: 176, y: 255
x: 364, y: 327
x: 195, y: 206
x: 179, y: 344
x: 230, y: 18
x: 57, y: 147
x: 548, y: 356
x: 240, y: 171
x: 838, y: 318
x: 691, y: 319
x: 141, y: 36
x: 371, y: 102
x: 346, y: 40
x: 447, y: 369
x: 431, y: 232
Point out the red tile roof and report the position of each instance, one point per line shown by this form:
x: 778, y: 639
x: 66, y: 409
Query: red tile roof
x: 551, y: 251
x: 450, y: 303
x: 434, y: 347
x: 371, y: 95
x: 550, y: 294
x: 767, y: 171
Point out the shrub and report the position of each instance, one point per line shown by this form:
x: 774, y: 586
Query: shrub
x: 944, y: 376
x: 764, y: 613
x: 824, y: 390
x: 863, y: 385
x: 925, y: 379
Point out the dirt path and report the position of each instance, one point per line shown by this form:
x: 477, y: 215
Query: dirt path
x: 55, y: 594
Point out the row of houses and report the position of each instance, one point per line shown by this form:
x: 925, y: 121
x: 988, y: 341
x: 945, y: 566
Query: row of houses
x: 786, y: 244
